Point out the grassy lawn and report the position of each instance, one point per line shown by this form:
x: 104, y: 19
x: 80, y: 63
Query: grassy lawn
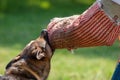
x: 17, y: 29
x: 85, y: 64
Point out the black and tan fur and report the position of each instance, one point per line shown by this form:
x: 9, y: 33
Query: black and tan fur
x: 33, y: 63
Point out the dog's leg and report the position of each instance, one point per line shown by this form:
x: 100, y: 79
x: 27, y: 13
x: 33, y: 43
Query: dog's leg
x: 46, y: 72
x: 32, y: 72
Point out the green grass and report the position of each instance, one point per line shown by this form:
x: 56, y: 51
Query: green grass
x: 17, y: 29
x: 86, y: 64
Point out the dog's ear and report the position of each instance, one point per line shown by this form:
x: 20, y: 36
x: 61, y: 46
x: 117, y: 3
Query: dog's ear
x: 40, y: 55
x: 12, y: 61
x: 39, y: 49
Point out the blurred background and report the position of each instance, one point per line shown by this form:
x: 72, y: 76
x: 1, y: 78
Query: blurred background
x: 22, y: 20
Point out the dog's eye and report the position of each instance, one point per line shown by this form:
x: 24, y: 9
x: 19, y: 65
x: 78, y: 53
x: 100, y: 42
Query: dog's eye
x: 33, y: 48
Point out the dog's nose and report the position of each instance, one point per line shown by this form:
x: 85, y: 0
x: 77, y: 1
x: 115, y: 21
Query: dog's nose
x: 43, y: 33
x: 44, y: 30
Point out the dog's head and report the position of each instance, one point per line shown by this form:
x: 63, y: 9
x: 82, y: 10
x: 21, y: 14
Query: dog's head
x: 36, y: 53
x: 39, y: 48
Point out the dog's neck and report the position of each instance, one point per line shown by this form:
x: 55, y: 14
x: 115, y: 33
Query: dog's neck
x: 31, y: 72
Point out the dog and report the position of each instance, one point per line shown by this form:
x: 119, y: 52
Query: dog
x: 33, y: 63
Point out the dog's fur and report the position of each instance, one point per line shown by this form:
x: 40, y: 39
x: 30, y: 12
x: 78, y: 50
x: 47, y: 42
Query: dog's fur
x: 33, y: 63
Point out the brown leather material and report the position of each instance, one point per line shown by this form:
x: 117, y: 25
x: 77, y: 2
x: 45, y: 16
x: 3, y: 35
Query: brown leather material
x: 111, y: 8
